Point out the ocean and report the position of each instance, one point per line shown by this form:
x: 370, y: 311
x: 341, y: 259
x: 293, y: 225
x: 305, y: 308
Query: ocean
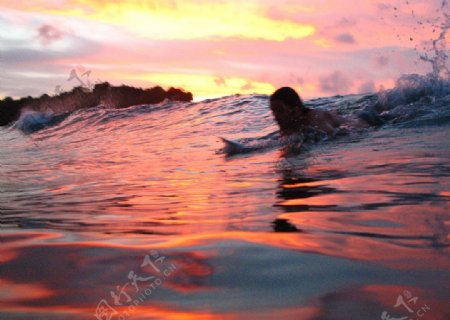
x: 138, y: 213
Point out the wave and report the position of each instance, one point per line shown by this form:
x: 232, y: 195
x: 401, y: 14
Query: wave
x: 82, y: 98
x: 413, y: 87
x: 415, y: 101
x: 31, y: 121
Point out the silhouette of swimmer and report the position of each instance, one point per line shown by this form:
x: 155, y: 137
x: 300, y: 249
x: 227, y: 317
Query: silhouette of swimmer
x: 292, y: 116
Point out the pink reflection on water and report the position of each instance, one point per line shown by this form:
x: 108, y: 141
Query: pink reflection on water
x: 58, y: 277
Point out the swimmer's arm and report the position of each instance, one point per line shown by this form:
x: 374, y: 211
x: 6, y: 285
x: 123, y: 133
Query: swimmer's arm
x: 349, y: 122
x: 271, y: 135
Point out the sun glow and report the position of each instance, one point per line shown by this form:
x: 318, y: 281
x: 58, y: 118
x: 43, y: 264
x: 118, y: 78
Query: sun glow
x: 192, y: 20
x: 215, y: 48
x: 205, y: 86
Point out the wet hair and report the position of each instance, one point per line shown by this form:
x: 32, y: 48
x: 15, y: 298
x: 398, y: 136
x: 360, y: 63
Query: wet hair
x: 288, y: 96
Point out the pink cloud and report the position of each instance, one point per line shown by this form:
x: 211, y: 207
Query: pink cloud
x: 48, y: 33
x: 248, y: 86
x: 381, y: 61
x: 335, y: 82
x: 220, y: 81
x: 345, y: 38
x: 114, y: 53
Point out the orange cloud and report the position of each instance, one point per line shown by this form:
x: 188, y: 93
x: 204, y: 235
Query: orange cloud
x: 215, y: 48
x: 179, y: 19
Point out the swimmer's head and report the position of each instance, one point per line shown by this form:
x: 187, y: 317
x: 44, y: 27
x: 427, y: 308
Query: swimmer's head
x: 286, y: 106
x: 288, y: 96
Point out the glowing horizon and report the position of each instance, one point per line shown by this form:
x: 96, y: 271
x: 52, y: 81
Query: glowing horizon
x: 216, y: 48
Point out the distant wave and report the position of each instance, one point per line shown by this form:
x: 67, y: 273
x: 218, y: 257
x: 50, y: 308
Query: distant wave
x: 31, y: 121
x: 82, y: 98
x: 415, y: 99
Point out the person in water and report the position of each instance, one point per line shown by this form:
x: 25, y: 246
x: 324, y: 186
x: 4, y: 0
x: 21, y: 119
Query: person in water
x: 292, y: 116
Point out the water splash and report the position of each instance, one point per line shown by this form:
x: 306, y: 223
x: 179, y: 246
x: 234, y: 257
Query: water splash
x: 410, y: 88
x: 438, y: 57
x: 434, y: 51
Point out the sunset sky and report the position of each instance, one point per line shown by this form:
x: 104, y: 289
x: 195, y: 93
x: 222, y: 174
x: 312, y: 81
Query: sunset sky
x: 214, y: 48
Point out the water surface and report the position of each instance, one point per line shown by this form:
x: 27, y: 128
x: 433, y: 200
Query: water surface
x: 354, y: 227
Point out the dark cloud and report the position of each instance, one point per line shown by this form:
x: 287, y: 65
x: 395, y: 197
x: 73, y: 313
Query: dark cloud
x: 28, y: 55
x: 367, y: 87
x: 15, y: 84
x: 30, y: 71
x: 381, y: 61
x: 48, y: 33
x: 15, y: 55
x: 345, y: 38
x: 335, y: 83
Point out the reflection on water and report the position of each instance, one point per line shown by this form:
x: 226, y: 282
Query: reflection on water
x: 233, y: 275
x: 338, y: 231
